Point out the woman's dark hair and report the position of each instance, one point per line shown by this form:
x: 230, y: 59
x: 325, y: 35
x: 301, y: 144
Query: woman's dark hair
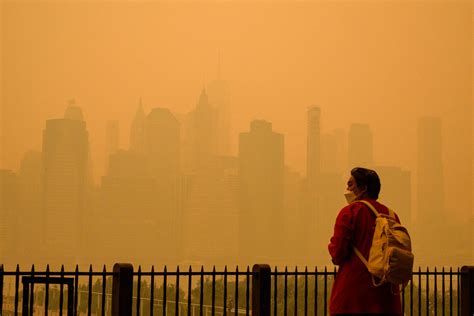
x: 369, y: 179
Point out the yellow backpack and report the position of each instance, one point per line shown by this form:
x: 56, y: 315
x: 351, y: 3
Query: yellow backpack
x: 390, y: 257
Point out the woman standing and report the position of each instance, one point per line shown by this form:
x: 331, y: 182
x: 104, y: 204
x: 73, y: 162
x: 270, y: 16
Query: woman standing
x: 353, y: 291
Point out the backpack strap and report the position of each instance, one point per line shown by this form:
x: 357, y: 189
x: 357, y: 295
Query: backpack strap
x: 361, y: 257
x: 370, y: 206
x: 391, y: 213
x: 358, y: 253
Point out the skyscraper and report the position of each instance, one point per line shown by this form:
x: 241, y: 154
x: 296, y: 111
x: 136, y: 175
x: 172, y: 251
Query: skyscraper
x: 360, y: 146
x: 333, y: 154
x: 137, y: 131
x: 10, y: 199
x: 396, y: 191
x: 261, y: 192
x: 30, y: 175
x: 162, y: 139
x: 203, y: 133
x: 210, y: 210
x: 65, y: 170
x: 313, y: 149
x: 312, y: 196
x: 111, y: 139
x: 430, y: 184
x: 219, y: 97
x: 162, y: 149
x: 129, y: 211
x: 293, y: 218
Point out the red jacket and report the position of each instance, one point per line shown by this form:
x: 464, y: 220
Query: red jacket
x: 352, y: 290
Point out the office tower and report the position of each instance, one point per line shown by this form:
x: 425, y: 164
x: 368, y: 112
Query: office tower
x: 65, y: 170
x: 219, y: 96
x: 186, y: 137
x: 333, y: 155
x: 137, y: 131
x: 210, y: 210
x: 261, y: 197
x: 162, y: 149
x: 430, y: 218
x: 360, y: 146
x: 203, y: 134
x: 10, y: 199
x: 313, y: 179
x: 30, y: 176
x: 162, y: 139
x: 292, y: 249
x: 396, y: 191
x: 329, y: 198
x: 129, y: 212
x: 430, y: 184
x: 313, y: 149
x: 111, y: 139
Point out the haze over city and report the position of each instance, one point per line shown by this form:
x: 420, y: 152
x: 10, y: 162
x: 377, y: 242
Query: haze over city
x: 190, y: 122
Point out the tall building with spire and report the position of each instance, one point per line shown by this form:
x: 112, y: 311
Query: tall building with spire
x: 137, y: 131
x: 219, y: 96
x: 203, y: 133
x: 65, y: 177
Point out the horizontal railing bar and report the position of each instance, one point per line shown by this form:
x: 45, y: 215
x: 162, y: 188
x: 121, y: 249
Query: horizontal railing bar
x: 49, y: 280
x: 303, y: 273
x: 198, y: 273
x: 41, y: 273
x: 299, y: 273
x: 439, y: 273
x: 191, y: 273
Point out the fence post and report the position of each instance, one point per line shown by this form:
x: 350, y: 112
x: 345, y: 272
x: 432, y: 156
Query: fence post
x: 467, y: 291
x: 122, y: 289
x: 1, y: 287
x: 261, y: 289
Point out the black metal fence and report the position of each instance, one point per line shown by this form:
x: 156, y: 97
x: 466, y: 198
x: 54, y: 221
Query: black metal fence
x: 237, y: 292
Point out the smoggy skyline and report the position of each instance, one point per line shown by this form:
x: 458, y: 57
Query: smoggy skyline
x: 413, y: 59
x: 381, y: 64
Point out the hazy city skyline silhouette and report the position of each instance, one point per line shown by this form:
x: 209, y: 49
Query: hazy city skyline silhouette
x: 155, y: 164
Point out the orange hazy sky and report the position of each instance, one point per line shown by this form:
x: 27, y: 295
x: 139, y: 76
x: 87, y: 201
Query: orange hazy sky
x: 381, y: 63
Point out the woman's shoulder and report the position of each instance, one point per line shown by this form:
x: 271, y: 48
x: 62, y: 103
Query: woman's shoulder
x: 352, y: 209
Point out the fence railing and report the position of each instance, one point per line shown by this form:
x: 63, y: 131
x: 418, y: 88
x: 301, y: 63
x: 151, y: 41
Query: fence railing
x: 237, y: 292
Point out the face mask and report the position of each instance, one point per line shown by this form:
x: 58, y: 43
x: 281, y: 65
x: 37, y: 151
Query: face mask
x: 350, y: 196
